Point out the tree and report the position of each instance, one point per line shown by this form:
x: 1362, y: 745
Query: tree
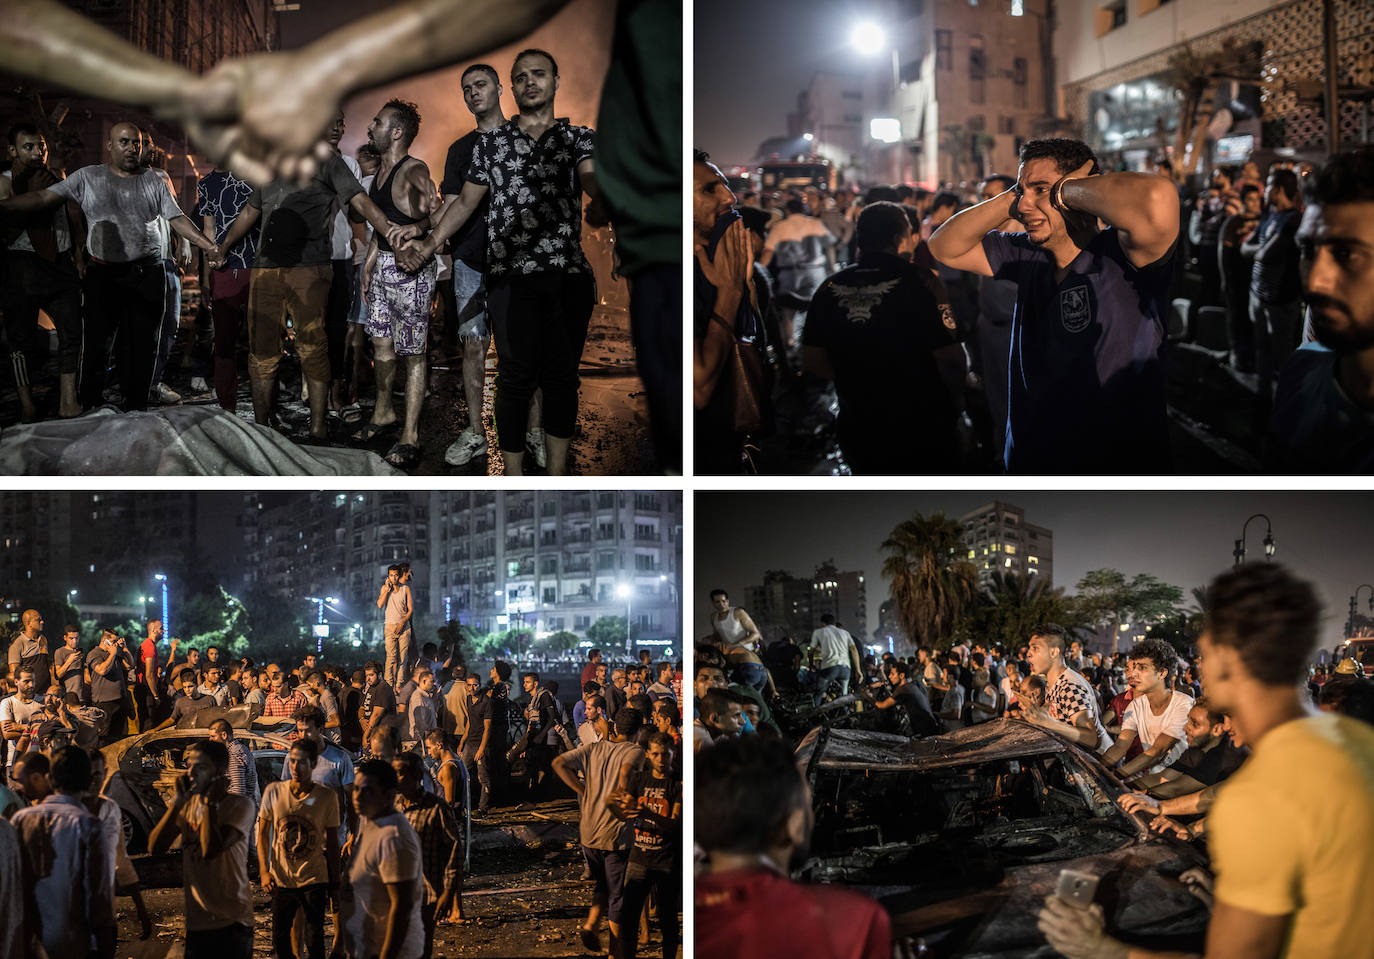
x: 272, y: 624
x: 455, y: 637
x: 1106, y: 597
x: 561, y: 641
x: 930, y: 585
x: 1009, y: 605
x: 608, y: 632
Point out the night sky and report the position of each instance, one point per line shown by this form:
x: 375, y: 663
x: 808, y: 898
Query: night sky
x: 579, y: 37
x: 753, y: 58
x: 1184, y: 538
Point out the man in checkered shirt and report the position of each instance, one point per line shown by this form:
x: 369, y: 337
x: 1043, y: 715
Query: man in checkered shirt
x: 1071, y: 708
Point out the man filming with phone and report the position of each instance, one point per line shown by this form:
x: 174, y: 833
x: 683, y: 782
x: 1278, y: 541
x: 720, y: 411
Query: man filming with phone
x: 213, y: 825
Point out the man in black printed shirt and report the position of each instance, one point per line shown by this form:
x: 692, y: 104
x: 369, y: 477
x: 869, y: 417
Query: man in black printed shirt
x: 652, y: 799
x: 540, y: 287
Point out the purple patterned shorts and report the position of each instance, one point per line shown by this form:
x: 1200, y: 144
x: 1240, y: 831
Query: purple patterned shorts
x: 398, y: 304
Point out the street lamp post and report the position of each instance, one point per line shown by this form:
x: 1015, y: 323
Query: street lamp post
x: 1269, y: 547
x: 869, y: 39
x: 1350, y: 623
x: 166, y: 614
x: 626, y: 593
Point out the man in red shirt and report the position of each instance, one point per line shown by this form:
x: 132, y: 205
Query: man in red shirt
x: 753, y: 818
x: 589, y: 670
x: 149, y: 701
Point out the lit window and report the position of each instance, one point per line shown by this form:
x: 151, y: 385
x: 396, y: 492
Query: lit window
x: 1017, y: 8
x: 1032, y: 571
x: 1011, y: 549
x: 971, y: 553
x: 92, y: 567
x: 1033, y: 560
x: 1008, y: 562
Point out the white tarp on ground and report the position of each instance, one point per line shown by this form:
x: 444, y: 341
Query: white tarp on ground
x: 174, y: 441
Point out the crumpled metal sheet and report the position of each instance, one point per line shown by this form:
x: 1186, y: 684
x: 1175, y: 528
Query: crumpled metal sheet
x: 985, y: 742
x: 174, y: 441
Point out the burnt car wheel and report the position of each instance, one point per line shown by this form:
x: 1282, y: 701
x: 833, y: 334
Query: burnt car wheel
x: 135, y: 841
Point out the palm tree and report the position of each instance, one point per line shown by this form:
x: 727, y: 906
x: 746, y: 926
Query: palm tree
x: 931, y: 585
x: 1010, y: 604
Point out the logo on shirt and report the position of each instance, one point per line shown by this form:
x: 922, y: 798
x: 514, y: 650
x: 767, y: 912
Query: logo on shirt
x: 1075, y: 310
x: 947, y: 317
x: 858, y: 302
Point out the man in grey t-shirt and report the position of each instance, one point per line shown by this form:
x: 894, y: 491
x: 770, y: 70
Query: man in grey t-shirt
x: 125, y: 284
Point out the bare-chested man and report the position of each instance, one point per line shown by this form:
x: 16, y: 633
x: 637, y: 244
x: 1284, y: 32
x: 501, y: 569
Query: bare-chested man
x: 398, y: 302
x: 125, y: 281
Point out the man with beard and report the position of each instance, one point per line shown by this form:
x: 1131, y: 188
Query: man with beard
x: 292, y: 273
x: 540, y: 285
x: 1088, y: 332
x: 754, y: 821
x: 1323, y: 419
x: 482, y: 95
x: 125, y: 284
x: 398, y: 301
x: 39, y: 273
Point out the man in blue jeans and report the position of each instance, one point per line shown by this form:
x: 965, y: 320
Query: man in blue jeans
x: 832, y: 647
x: 482, y: 94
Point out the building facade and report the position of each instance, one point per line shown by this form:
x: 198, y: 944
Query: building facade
x: 553, y: 561
x: 102, y: 549
x: 785, y: 604
x: 1120, y: 63
x: 997, y: 538
x: 966, y: 83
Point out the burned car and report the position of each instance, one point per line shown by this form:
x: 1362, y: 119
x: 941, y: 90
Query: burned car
x: 961, y: 836
x: 142, y: 770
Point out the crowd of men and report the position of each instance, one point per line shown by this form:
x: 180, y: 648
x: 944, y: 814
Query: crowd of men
x: 1247, y: 747
x: 1003, y: 325
x: 352, y: 257
x: 366, y: 826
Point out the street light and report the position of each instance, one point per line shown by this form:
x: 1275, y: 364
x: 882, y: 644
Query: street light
x: 626, y: 593
x: 868, y: 38
x: 166, y: 615
x: 1269, y: 547
x: 1350, y: 623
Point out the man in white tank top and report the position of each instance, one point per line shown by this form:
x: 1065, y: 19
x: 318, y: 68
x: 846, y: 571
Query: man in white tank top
x: 731, y: 627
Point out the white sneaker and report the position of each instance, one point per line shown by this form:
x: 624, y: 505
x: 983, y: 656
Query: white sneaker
x: 164, y: 394
x: 470, y: 443
x: 534, y: 440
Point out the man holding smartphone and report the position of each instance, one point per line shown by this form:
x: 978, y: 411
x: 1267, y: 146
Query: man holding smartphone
x: 1290, y: 830
x: 109, y: 665
x: 400, y: 642
x: 213, y: 825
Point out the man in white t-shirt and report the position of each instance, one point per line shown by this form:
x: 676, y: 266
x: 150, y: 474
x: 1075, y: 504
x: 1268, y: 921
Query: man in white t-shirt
x: 1071, y: 708
x: 1156, y: 715
x: 380, y: 912
x: 213, y: 825
x: 832, y: 646
x: 19, y: 714
x: 298, y: 849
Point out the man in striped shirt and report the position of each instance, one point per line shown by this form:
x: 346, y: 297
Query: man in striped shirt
x: 243, y: 774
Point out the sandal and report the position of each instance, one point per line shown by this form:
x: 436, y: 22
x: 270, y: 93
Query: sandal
x: 404, y: 456
x: 351, y: 414
x: 371, y: 431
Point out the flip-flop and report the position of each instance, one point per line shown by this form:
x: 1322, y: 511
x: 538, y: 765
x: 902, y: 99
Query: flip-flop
x: 371, y: 431
x: 351, y: 414
x: 404, y: 456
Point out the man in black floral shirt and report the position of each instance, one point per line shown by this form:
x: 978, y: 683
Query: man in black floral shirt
x: 541, y: 289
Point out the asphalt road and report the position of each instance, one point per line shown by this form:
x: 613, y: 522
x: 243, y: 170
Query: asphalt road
x: 523, y: 897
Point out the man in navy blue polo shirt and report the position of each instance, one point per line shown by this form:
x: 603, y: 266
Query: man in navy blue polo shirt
x: 1093, y: 269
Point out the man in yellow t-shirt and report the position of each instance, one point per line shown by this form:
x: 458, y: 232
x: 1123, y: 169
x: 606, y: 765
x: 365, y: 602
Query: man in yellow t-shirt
x: 1291, y: 830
